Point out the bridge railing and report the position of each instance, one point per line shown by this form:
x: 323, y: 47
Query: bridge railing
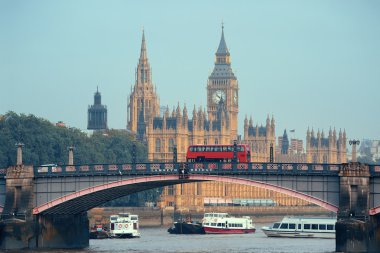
x: 192, y: 168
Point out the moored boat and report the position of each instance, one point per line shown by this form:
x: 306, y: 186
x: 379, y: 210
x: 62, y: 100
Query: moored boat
x: 186, y: 227
x: 302, y: 228
x: 124, y: 225
x: 223, y: 223
x: 98, y: 232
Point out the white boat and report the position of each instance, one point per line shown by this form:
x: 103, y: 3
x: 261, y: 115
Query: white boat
x: 302, y: 227
x: 222, y: 223
x: 124, y: 225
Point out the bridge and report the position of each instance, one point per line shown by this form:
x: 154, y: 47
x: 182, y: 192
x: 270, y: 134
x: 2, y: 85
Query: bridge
x: 45, y: 206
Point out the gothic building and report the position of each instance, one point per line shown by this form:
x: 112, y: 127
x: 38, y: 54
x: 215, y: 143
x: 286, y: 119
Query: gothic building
x: 97, y: 114
x: 260, y: 138
x: 143, y: 103
x: 218, y: 124
x: 320, y: 149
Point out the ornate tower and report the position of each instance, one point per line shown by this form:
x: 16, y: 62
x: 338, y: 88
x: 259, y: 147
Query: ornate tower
x: 97, y: 114
x: 143, y: 102
x: 222, y: 86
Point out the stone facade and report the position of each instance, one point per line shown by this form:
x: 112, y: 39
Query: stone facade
x: 143, y: 102
x: 326, y: 150
x: 217, y: 124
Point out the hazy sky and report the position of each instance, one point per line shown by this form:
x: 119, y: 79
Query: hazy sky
x: 307, y: 63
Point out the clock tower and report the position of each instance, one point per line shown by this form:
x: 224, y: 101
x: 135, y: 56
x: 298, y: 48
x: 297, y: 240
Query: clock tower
x: 222, y: 87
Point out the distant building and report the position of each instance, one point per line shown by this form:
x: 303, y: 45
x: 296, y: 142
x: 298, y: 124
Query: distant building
x: 293, y: 153
x: 326, y: 150
x: 296, y: 146
x: 285, y: 143
x: 60, y: 124
x: 97, y: 114
x: 369, y: 149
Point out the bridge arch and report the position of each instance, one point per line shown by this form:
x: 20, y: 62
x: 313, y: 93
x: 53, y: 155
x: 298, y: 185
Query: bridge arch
x: 88, y: 198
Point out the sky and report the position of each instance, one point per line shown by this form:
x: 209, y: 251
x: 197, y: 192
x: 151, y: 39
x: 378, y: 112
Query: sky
x: 309, y: 64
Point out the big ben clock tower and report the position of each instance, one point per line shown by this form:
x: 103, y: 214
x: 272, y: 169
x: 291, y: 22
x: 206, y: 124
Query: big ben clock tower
x: 222, y: 87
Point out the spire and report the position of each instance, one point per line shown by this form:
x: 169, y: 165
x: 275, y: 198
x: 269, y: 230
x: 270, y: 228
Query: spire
x: 222, y: 49
x: 143, y: 53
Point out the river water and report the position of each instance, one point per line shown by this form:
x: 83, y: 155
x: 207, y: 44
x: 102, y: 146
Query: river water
x: 159, y: 240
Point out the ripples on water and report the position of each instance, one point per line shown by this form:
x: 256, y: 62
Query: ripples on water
x: 159, y: 240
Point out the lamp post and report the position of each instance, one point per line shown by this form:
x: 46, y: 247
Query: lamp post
x: 19, y: 153
x: 353, y: 143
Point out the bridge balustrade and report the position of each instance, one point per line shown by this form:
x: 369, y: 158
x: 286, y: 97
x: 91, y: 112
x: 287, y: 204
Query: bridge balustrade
x: 192, y: 168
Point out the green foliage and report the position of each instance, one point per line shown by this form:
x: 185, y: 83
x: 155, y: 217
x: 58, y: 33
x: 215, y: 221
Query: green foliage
x: 46, y: 143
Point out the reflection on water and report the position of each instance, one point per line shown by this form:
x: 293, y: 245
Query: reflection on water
x: 159, y: 240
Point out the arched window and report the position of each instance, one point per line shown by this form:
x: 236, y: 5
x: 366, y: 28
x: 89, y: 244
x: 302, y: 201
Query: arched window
x: 158, y: 145
x: 324, y: 158
x: 216, y: 141
x: 314, y: 158
x: 171, y: 145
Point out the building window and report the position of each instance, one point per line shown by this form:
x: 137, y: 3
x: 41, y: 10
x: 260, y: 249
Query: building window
x: 158, y: 145
x: 216, y: 141
x: 171, y: 145
x: 205, y: 141
x: 171, y: 190
x: 324, y: 158
x: 314, y: 158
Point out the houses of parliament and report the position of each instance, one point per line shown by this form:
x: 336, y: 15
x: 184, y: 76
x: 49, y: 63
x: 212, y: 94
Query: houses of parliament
x: 162, y: 130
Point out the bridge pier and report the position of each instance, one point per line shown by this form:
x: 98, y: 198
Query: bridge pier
x: 63, y: 231
x: 20, y: 229
x: 356, y: 230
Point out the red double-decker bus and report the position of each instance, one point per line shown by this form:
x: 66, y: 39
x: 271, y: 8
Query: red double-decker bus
x: 218, y: 153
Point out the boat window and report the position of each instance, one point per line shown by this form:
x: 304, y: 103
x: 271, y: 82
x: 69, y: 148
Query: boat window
x: 220, y: 224
x: 276, y: 225
x: 330, y: 227
x: 284, y: 226
x: 299, y: 226
x: 314, y: 226
x: 213, y: 224
x: 322, y: 226
x: 206, y: 224
x: 292, y: 226
x: 306, y: 226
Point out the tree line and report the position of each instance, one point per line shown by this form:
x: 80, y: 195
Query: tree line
x: 46, y: 143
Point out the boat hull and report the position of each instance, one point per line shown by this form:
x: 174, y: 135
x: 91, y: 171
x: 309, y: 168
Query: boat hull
x: 186, y: 228
x: 296, y: 234
x: 212, y: 230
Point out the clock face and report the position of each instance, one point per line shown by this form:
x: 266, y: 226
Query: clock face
x: 218, y: 95
x: 235, y: 97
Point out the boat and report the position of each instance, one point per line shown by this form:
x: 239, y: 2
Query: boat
x: 302, y: 228
x: 98, y: 232
x: 223, y: 223
x: 124, y: 225
x: 186, y: 227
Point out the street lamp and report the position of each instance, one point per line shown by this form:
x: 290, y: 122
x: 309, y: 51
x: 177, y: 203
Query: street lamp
x: 353, y: 143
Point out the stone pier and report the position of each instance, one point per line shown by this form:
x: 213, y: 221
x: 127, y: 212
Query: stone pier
x: 20, y: 229
x: 356, y: 230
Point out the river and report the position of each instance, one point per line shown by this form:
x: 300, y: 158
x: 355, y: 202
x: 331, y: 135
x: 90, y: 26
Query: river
x: 159, y: 240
